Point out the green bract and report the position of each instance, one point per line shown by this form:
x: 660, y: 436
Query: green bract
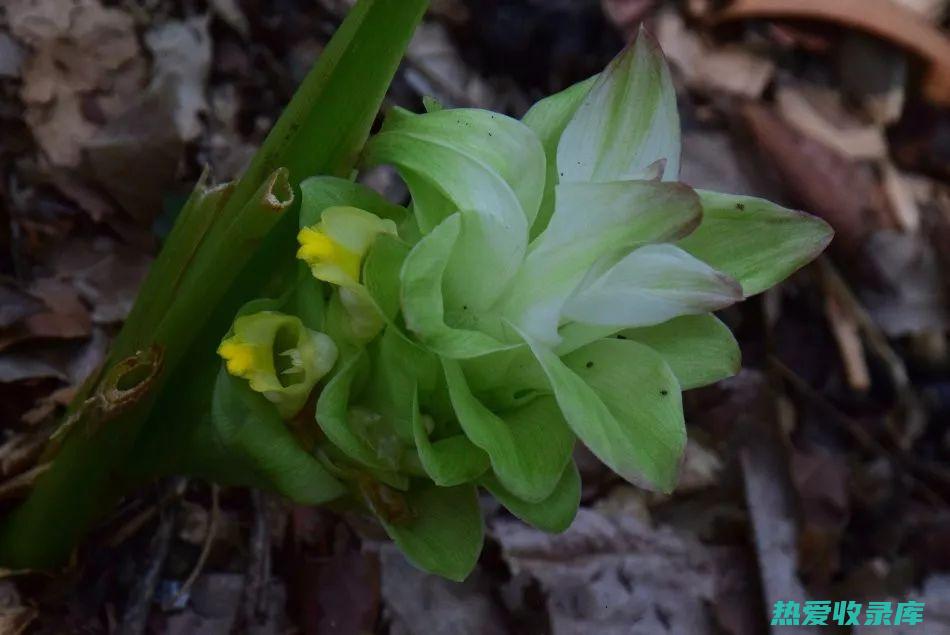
x: 551, y: 281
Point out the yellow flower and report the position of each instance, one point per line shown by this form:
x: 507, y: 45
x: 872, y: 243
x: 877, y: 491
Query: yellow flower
x: 326, y: 256
x: 334, y: 248
x: 240, y: 359
x: 280, y: 357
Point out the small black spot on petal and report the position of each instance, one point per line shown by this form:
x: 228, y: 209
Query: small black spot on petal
x: 589, y: 364
x: 664, y: 392
x: 740, y: 206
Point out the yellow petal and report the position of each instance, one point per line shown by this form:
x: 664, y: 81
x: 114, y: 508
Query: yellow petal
x: 316, y: 248
x: 239, y: 358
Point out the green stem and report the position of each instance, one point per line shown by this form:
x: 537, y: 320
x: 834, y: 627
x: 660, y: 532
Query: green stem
x: 320, y: 132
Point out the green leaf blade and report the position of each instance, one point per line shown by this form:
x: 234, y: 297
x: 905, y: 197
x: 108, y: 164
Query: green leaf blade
x: 254, y: 434
x: 548, y: 118
x: 553, y: 514
x: 627, y: 126
x: 317, y: 193
x: 699, y: 349
x: 754, y: 240
x: 592, y: 221
x: 449, y: 462
x: 332, y: 415
x: 528, y: 445
x: 651, y: 285
x: 445, y: 532
x: 422, y: 299
x: 623, y: 402
x: 478, y: 160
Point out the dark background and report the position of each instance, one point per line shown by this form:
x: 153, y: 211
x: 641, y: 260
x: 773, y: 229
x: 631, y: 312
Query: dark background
x: 819, y: 472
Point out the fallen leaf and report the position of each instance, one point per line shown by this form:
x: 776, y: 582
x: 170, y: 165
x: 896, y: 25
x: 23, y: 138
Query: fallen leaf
x: 81, y: 51
x: 16, y: 305
x: 627, y: 14
x: 435, y: 69
x: 819, y: 179
x: 936, y: 598
x: 418, y: 602
x: 873, y: 75
x: 65, y: 317
x: 625, y: 500
x: 339, y: 593
x: 20, y: 452
x: 730, y: 69
x: 700, y: 469
x: 614, y: 575
x: 821, y: 480
x: 230, y: 152
x: 715, y: 159
x: 737, y: 607
x: 881, y: 18
x: 48, y: 405
x: 135, y: 156
x: 14, y: 621
x: 912, y: 297
x: 60, y: 128
x: 820, y: 114
x: 83, y: 194
x: 918, y: 140
x: 931, y: 10
x: 230, y: 12
x: 182, y: 54
x: 110, y: 286
x: 214, y: 602
x: 11, y: 56
x: 19, y: 366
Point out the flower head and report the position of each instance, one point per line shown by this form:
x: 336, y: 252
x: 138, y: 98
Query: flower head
x: 334, y: 247
x: 565, y: 280
x: 281, y: 358
x: 553, y: 283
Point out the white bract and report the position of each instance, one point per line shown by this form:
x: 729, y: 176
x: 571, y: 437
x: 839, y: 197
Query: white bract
x: 552, y: 281
x: 566, y: 240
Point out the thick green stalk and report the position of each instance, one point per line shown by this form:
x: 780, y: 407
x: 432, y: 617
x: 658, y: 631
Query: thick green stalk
x: 321, y: 132
x: 84, y: 479
x: 199, y: 214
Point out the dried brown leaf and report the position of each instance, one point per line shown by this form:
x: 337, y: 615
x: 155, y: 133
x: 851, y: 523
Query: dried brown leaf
x: 820, y: 114
x: 912, y: 297
x: 882, y: 18
x: 79, y: 50
x: 14, y: 621
x: 729, y: 69
x: 16, y: 305
x: 182, y: 54
x: 614, y: 575
x: 819, y: 179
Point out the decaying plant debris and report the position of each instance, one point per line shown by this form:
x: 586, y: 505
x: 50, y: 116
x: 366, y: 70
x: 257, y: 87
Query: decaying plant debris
x: 847, y: 364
